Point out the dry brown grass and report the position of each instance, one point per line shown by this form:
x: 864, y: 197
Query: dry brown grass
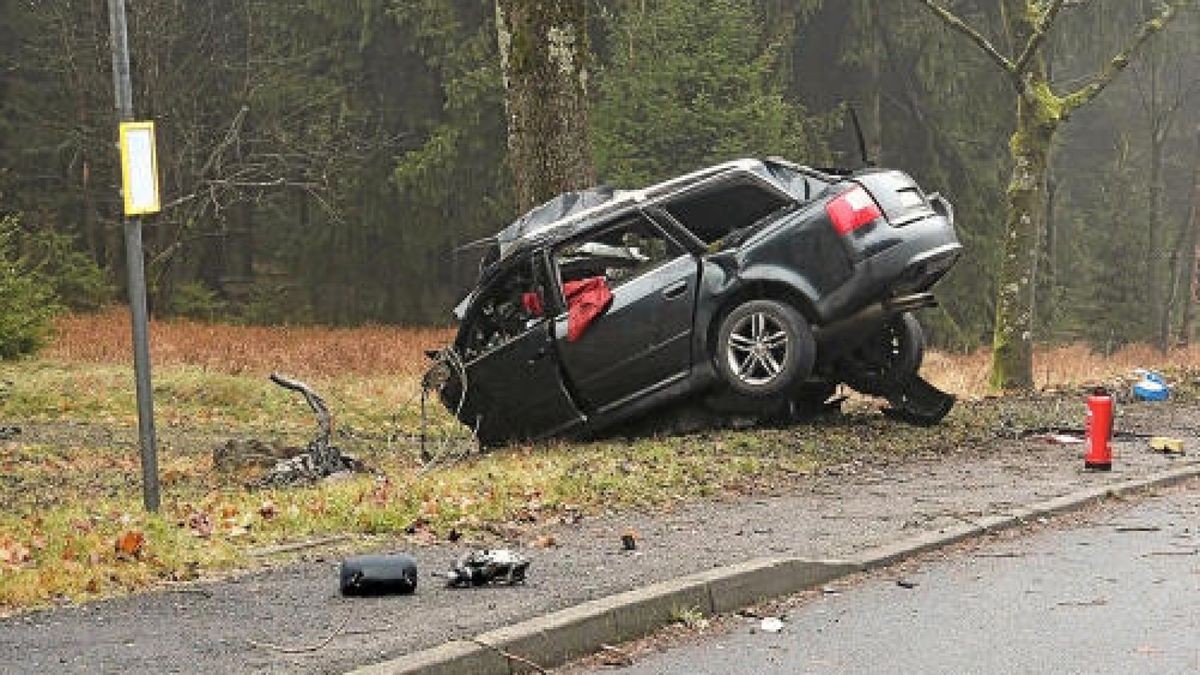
x: 966, y: 375
x: 373, y: 350
x: 390, y: 350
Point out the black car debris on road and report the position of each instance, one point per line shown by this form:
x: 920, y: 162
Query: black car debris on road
x: 754, y: 285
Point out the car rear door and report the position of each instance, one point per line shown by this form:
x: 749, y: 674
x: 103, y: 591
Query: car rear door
x: 643, y: 341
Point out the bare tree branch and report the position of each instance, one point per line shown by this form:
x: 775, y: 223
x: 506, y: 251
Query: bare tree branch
x: 1120, y: 62
x: 952, y: 20
x: 1034, y: 45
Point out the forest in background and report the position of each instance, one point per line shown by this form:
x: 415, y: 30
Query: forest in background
x: 323, y: 160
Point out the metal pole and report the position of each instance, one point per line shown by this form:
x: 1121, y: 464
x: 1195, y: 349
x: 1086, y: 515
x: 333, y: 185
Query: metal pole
x: 136, y: 268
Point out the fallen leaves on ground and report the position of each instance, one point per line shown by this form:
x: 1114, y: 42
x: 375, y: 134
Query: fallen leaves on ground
x: 129, y: 544
x: 13, y: 553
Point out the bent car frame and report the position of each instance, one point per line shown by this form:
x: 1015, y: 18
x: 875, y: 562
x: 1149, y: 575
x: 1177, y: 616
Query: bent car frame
x: 757, y: 285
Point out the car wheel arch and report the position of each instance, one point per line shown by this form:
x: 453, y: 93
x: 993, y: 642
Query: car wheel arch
x: 759, y: 290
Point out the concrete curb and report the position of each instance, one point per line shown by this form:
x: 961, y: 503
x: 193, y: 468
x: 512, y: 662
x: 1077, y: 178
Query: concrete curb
x: 888, y: 554
x: 577, y: 631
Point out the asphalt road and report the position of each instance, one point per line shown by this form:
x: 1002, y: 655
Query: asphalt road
x: 1119, y: 593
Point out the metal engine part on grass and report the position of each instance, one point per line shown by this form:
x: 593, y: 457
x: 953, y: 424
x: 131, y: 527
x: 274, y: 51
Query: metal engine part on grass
x: 320, y: 458
x: 378, y: 575
x: 482, y: 567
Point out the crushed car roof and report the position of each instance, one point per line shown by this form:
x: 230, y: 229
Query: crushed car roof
x: 570, y: 212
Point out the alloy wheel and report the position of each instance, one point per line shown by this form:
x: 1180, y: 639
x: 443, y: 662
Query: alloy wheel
x: 758, y: 348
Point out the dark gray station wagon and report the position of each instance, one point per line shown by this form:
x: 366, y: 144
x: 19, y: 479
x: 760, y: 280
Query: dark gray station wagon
x: 755, y: 283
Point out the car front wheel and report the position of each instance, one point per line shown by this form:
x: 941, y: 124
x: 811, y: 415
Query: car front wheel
x: 763, y: 348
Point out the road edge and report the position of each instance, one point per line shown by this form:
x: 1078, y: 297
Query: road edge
x: 558, y: 637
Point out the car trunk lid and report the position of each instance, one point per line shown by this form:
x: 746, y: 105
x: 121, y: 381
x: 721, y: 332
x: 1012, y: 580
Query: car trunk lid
x: 898, y: 195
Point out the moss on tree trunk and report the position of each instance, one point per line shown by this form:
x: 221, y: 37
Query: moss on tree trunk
x: 544, y: 57
x: 1038, y: 117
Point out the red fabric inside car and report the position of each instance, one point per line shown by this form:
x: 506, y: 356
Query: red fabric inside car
x: 586, y: 300
x: 533, y: 304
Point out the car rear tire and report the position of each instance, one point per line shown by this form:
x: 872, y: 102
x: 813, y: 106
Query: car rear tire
x: 764, y: 347
x: 890, y: 357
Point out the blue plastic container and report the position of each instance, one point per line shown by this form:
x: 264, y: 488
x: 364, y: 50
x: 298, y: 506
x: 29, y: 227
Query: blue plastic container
x: 1152, y: 387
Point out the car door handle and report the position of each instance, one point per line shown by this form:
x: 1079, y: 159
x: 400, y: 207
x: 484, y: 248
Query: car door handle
x: 675, y: 290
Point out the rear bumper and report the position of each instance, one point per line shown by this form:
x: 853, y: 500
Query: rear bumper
x: 893, y: 261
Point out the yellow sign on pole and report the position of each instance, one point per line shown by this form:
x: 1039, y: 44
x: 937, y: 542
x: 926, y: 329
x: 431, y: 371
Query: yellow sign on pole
x: 139, y: 168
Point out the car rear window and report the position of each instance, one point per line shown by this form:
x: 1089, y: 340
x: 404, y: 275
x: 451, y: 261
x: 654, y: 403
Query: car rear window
x: 713, y: 211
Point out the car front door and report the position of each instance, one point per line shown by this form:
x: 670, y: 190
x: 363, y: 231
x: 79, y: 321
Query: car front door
x: 642, y: 342
x: 514, y: 388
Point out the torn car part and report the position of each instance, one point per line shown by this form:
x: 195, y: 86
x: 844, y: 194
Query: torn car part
x: 320, y: 457
x: 488, y: 566
x: 378, y: 575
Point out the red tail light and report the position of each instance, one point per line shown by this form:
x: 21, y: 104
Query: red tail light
x: 851, y: 210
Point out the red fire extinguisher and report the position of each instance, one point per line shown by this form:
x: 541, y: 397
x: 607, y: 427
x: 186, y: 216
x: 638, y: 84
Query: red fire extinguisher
x: 1099, y: 430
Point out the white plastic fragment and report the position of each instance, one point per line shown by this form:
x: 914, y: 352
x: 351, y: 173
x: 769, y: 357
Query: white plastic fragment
x: 771, y: 624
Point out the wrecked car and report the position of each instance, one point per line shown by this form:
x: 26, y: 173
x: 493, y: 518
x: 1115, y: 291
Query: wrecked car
x: 756, y: 285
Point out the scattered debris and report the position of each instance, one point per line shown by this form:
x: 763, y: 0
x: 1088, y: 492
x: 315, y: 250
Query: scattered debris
x: 320, y: 459
x: 614, y: 656
x: 485, y: 566
x: 9, y: 433
x: 771, y: 624
x: 1057, y: 439
x: 629, y: 540
x: 1152, y: 386
x: 1167, y: 445
x: 906, y: 583
x: 1137, y: 528
x: 378, y: 575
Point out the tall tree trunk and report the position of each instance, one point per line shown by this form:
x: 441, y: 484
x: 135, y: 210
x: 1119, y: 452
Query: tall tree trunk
x: 544, y: 57
x: 1048, y: 274
x: 1012, y: 343
x: 1159, y: 299
x: 1189, y: 305
x: 1171, y: 295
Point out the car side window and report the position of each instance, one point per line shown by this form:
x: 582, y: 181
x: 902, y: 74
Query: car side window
x: 511, y: 305
x: 620, y: 253
x: 714, y: 210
